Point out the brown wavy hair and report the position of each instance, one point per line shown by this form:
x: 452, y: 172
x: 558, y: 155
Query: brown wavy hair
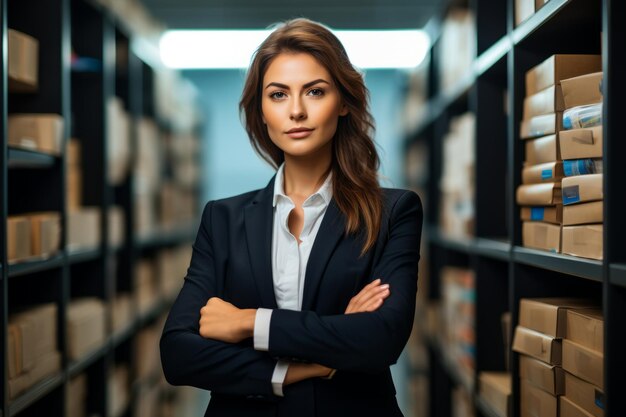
x: 355, y: 161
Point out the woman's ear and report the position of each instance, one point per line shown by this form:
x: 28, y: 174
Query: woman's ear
x: 343, y: 110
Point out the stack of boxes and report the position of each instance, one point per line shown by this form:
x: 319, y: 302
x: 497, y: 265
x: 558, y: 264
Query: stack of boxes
x: 526, y: 8
x: 457, y: 183
x: 86, y: 326
x: 33, y: 236
x: 539, y: 340
x: 32, y: 347
x: 583, y: 360
x: 458, y: 298
x: 540, y: 194
x: 581, y: 150
x: 457, y: 47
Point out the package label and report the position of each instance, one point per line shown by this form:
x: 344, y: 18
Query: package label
x: 546, y: 174
x: 537, y: 213
x: 580, y: 167
x: 571, y: 194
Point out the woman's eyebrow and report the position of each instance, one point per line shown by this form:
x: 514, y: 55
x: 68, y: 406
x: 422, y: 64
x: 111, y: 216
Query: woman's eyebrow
x: 307, y: 85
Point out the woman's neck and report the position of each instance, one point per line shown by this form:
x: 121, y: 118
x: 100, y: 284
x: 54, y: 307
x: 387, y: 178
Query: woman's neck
x: 303, y: 177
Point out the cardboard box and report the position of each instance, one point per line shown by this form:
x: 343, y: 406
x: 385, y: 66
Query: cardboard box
x: 18, y: 238
x: 548, y: 172
x: 537, y: 345
x: 46, y: 366
x: 581, y: 143
x: 581, y: 188
x: 74, y: 184
x: 539, y: 4
x: 46, y: 233
x: 586, y: 327
x: 14, y: 345
x: 76, y: 397
x: 542, y: 150
x: 540, y: 235
x: 505, y: 321
x: 118, y: 388
x: 549, y: 315
x: 560, y: 67
x: 34, y: 334
x: 583, y: 213
x: 536, y: 402
x: 23, y: 62
x: 83, y: 228
x: 582, y: 90
x: 549, y: 378
x: 584, y: 241
x: 85, y: 326
x: 546, y: 124
x: 39, y: 132
x: 547, y: 194
x: 122, y: 311
x: 117, y: 226
x: 584, y: 395
x: 495, y: 389
x: 73, y: 157
x: 550, y: 214
x: 523, y: 10
x: 583, y: 362
x: 146, y: 348
x: 545, y: 101
x: 569, y: 409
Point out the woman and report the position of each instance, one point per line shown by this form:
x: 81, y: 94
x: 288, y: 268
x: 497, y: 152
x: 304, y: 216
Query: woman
x: 301, y: 295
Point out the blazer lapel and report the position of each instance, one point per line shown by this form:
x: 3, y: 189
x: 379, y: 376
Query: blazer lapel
x: 259, y: 221
x: 328, y: 236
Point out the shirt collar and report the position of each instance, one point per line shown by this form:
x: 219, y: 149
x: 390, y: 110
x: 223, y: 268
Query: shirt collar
x: 325, y: 191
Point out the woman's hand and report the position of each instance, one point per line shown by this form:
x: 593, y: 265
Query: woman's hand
x: 220, y: 320
x: 370, y: 298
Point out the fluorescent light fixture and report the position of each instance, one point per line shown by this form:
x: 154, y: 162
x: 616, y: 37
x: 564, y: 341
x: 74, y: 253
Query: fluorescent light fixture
x: 198, y: 49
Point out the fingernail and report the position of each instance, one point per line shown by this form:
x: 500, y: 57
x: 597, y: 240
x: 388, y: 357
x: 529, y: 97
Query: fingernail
x: 384, y: 286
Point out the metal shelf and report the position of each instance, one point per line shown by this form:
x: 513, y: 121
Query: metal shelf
x: 120, y: 336
x: 491, y: 56
x: 85, y: 255
x: 29, y: 267
x: 26, y: 158
x: 617, y: 274
x: 452, y: 369
x: 571, y: 265
x: 35, y: 393
x: 547, y: 11
x: 169, y: 238
x: 80, y: 365
x: 490, y: 248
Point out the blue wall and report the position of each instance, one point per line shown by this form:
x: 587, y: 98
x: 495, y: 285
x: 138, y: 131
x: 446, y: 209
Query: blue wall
x: 231, y: 166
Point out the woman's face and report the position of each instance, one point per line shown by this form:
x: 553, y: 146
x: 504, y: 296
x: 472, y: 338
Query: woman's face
x: 301, y: 105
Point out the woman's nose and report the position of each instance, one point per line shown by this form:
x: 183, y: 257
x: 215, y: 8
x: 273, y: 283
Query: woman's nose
x: 298, y: 111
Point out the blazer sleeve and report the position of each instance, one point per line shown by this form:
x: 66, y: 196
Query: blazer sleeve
x: 188, y: 358
x: 366, y: 342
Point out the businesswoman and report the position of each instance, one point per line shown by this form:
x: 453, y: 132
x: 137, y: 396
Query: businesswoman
x: 300, y: 295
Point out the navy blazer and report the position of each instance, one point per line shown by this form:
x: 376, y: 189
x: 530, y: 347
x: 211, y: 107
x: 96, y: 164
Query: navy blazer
x: 232, y: 260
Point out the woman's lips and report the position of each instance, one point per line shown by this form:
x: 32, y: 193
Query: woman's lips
x: 299, y: 133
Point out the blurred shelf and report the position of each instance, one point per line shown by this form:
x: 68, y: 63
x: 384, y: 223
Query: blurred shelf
x: 485, y: 408
x: 167, y: 238
x: 490, y: 248
x: 35, y: 393
x: 29, y: 267
x: 25, y: 158
x: 566, y: 264
x: 80, y: 365
x: 84, y: 255
x: 492, y: 55
x: 153, y: 312
x: 122, y: 335
x: 547, y: 11
x: 452, y: 369
x: 618, y: 274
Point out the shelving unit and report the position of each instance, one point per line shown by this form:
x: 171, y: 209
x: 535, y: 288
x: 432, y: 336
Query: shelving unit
x: 505, y: 271
x: 34, y: 181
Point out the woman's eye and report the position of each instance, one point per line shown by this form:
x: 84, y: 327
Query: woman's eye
x: 316, y: 92
x: 277, y: 95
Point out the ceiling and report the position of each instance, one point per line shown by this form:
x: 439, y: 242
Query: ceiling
x: 259, y: 14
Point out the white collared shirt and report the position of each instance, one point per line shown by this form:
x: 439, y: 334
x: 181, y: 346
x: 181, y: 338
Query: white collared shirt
x: 289, y: 261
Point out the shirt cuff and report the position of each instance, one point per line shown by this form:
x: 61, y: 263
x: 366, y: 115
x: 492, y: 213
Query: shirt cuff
x: 278, y: 377
x: 262, y: 329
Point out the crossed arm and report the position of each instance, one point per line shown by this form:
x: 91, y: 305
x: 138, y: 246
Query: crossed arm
x: 220, y: 320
